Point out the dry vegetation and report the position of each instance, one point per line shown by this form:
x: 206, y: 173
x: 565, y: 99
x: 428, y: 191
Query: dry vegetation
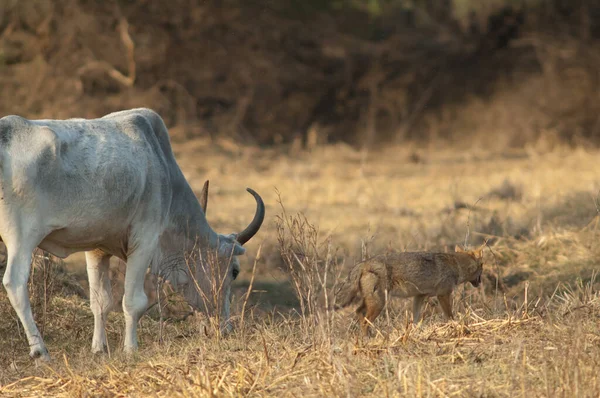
x: 532, y: 328
x: 313, y: 71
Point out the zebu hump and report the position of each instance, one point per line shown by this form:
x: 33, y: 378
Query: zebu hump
x: 22, y: 141
x: 9, y: 126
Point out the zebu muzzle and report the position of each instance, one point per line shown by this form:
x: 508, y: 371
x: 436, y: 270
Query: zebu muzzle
x: 215, y: 270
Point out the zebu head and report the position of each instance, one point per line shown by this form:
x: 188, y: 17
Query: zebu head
x: 215, y: 266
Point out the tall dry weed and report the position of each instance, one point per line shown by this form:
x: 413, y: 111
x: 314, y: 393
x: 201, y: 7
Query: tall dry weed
x: 44, y: 284
x: 313, y: 266
x: 211, y: 295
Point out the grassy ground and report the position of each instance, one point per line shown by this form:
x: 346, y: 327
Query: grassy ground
x: 532, y: 328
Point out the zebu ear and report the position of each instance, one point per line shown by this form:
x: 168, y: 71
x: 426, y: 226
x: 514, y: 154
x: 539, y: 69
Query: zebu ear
x: 238, y: 249
x: 228, y: 248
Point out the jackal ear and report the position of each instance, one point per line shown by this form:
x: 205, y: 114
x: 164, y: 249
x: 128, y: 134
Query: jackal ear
x: 478, y: 253
x: 458, y: 249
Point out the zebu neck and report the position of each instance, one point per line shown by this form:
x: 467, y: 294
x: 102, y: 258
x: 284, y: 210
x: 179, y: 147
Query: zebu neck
x: 186, y: 217
x: 186, y: 232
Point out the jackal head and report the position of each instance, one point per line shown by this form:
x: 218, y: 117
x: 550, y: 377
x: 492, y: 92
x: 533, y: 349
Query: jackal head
x: 473, y: 270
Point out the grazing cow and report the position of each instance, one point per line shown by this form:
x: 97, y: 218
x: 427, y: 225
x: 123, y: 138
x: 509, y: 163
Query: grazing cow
x: 109, y: 187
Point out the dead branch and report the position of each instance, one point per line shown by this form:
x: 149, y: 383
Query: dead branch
x: 421, y: 103
x: 126, y: 80
x: 8, y: 30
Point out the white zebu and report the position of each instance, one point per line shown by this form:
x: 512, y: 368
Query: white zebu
x: 109, y: 187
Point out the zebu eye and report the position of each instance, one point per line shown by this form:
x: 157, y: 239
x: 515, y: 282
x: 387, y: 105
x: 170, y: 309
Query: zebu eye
x: 234, y: 273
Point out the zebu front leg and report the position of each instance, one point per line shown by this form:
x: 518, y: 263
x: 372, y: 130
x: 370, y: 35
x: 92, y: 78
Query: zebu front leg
x: 134, y: 298
x: 100, y: 296
x: 15, y: 278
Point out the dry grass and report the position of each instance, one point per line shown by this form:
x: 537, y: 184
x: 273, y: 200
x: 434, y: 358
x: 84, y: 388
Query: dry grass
x: 552, y: 350
x: 534, y: 330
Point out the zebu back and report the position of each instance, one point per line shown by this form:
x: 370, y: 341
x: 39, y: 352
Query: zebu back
x: 88, y: 180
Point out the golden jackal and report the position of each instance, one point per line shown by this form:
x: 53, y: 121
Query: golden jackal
x: 417, y: 275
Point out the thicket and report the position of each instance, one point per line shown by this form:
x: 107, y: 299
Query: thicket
x: 365, y: 72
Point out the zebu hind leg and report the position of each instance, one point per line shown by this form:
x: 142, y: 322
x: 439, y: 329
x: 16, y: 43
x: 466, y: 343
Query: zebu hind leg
x: 100, y: 296
x: 18, y: 267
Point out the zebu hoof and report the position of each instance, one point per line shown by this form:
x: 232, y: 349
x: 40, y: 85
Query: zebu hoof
x: 40, y: 354
x: 99, y: 349
x: 131, y: 352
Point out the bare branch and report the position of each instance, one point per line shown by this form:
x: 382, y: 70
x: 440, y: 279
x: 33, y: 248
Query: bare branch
x: 126, y: 80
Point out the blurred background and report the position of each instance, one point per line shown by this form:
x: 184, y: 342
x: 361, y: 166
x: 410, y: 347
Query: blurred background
x: 308, y: 72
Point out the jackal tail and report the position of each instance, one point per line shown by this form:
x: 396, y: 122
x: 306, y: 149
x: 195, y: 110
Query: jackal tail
x: 349, y: 291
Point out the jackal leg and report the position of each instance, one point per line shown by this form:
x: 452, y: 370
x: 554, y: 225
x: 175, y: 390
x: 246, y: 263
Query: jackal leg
x: 446, y: 303
x: 417, y: 304
x: 361, y: 312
